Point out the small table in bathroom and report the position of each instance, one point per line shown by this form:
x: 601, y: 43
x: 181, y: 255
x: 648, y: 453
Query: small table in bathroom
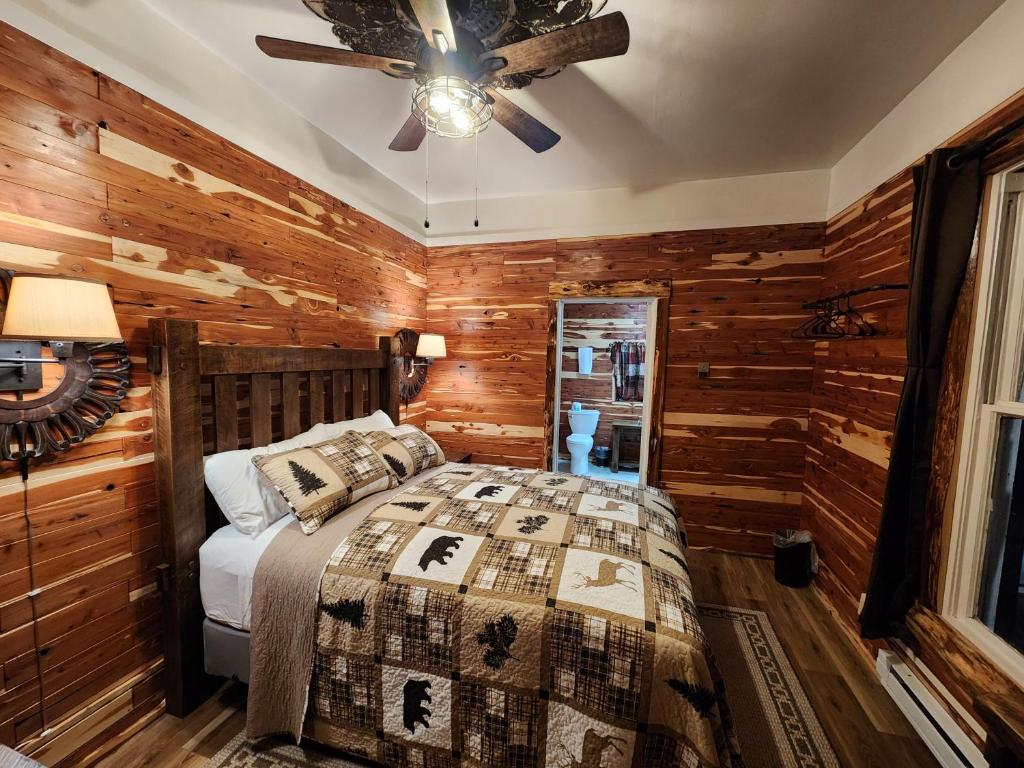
x: 618, y: 427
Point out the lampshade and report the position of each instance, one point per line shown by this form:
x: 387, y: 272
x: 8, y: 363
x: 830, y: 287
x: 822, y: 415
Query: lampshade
x: 44, y: 307
x: 431, y: 345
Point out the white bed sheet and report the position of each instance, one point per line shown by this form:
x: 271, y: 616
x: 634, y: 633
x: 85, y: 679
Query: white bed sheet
x: 227, y: 564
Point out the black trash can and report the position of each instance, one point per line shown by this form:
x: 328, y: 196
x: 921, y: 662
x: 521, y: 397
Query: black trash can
x: 796, y: 560
x: 602, y: 455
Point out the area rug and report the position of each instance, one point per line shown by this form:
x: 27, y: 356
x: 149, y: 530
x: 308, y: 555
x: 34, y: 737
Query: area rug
x: 772, y: 718
x: 242, y: 753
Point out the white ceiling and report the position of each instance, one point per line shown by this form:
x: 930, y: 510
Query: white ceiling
x: 709, y: 89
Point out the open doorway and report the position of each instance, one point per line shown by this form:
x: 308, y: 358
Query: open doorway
x: 603, y: 387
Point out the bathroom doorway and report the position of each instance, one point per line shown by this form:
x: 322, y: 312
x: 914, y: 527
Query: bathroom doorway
x: 603, y: 386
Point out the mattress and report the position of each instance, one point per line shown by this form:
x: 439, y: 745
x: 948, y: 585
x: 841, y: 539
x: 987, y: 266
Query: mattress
x: 227, y: 563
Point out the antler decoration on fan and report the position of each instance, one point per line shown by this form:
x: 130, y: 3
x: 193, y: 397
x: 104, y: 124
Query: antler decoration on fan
x: 460, y: 53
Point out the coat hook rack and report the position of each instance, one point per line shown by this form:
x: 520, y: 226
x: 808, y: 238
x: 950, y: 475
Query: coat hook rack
x: 835, y: 316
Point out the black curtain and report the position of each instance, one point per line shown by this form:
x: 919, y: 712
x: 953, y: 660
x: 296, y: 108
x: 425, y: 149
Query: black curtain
x: 945, y: 216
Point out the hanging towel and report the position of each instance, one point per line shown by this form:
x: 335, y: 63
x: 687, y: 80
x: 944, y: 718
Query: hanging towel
x: 628, y: 358
x: 586, y: 360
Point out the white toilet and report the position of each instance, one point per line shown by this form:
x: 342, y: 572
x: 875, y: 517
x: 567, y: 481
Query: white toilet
x: 581, y: 441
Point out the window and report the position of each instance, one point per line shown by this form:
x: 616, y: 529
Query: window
x: 985, y: 585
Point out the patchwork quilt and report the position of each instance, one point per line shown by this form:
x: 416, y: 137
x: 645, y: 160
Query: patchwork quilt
x: 503, y: 617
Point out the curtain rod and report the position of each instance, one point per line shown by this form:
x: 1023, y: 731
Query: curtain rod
x: 985, y: 146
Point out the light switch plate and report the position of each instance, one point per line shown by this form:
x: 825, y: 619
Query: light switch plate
x: 703, y: 370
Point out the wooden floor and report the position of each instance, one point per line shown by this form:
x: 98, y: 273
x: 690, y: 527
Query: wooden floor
x: 862, y: 722
x: 864, y: 726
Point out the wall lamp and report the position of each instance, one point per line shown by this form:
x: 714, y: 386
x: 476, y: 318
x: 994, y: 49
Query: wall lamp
x: 76, y: 318
x: 418, y: 351
x: 63, y: 310
x: 429, y: 347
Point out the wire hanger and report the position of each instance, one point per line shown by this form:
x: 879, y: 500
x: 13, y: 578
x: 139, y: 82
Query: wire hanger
x: 832, y: 321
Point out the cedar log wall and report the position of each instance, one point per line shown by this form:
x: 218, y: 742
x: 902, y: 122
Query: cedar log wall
x: 853, y: 410
x: 733, y: 448
x: 599, y: 325
x: 98, y: 181
x: 856, y: 390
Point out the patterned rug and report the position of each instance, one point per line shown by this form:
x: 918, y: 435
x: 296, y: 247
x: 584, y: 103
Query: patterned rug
x: 773, y: 720
x: 242, y: 753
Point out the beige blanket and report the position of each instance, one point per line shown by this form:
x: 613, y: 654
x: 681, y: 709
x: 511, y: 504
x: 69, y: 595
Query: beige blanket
x: 285, y: 604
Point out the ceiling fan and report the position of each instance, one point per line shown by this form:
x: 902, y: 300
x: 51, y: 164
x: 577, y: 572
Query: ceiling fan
x: 461, y: 52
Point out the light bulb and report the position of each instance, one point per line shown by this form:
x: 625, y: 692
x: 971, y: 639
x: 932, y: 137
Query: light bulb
x: 440, y: 103
x: 450, y: 106
x: 461, y: 120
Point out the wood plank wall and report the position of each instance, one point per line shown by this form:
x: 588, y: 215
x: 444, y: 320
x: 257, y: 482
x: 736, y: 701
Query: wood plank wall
x: 856, y: 390
x: 97, y: 180
x: 857, y: 382
x: 599, y: 326
x: 734, y: 443
x: 853, y: 409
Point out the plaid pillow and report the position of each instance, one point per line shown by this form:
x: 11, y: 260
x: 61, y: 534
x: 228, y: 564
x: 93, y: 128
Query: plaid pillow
x: 406, y: 449
x: 320, y: 481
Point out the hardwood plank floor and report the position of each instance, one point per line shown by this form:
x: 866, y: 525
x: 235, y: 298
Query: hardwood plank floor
x: 863, y: 724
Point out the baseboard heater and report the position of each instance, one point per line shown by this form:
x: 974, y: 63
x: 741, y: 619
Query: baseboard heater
x: 945, y: 739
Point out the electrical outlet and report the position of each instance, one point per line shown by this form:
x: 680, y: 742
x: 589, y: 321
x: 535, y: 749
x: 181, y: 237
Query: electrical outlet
x: 703, y: 370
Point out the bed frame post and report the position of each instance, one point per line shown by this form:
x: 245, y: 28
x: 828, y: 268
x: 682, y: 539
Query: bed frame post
x: 392, y: 349
x: 174, y: 365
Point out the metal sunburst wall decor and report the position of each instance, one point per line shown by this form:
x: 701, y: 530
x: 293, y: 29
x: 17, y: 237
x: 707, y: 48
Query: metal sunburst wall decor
x: 96, y: 380
x: 414, y: 373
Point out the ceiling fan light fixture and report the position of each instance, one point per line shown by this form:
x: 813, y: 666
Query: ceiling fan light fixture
x: 451, y: 107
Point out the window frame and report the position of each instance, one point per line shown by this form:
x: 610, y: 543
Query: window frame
x: 1002, y: 239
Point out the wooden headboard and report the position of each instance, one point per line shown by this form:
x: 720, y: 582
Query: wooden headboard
x: 209, y: 398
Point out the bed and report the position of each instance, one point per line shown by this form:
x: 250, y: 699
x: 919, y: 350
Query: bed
x: 473, y: 615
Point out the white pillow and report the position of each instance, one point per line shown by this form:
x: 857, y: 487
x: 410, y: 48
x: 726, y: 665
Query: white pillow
x: 233, y: 480
x: 372, y: 423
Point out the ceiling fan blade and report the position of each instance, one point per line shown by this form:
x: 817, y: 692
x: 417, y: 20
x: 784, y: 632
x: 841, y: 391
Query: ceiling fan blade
x: 595, y: 39
x: 322, y: 54
x: 435, y: 21
x: 410, y: 136
x: 529, y: 130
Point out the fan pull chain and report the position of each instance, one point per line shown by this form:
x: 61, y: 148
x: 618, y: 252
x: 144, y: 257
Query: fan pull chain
x: 426, y: 195
x: 476, y: 179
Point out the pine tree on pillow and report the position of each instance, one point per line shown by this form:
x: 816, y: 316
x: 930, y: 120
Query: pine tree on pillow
x: 396, y: 465
x: 309, y: 482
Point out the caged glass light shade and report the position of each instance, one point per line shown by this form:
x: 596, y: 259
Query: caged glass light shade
x: 451, y: 107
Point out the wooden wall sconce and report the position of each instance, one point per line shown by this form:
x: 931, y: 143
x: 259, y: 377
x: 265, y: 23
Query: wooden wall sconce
x: 418, y: 351
x: 76, y: 318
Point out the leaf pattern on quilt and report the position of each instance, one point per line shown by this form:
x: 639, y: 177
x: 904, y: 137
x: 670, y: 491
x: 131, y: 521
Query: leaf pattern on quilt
x: 699, y: 697
x: 348, y: 611
x: 532, y: 523
x: 498, y: 637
